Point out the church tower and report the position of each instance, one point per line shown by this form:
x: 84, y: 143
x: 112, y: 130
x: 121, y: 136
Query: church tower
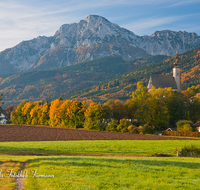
x: 176, y: 72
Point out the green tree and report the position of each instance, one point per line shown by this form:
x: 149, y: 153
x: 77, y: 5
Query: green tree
x: 94, y: 117
x: 193, y: 90
x: 76, y: 114
x: 124, y: 123
x: 17, y: 115
x: 194, y: 109
x: 116, y: 107
x: 176, y: 106
x: 139, y: 98
x: 157, y: 110
x: 112, y: 126
x: 183, y: 125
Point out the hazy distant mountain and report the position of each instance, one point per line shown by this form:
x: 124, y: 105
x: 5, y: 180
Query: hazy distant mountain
x: 89, y: 39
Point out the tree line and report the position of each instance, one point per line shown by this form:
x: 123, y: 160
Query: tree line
x: 145, y: 112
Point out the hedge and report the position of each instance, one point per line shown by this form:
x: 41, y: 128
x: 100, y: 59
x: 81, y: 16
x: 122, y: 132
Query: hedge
x: 181, y: 133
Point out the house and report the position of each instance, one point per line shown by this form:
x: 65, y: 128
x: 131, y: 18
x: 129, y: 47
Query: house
x: 167, y: 81
x: 3, y: 119
x: 171, y: 129
x: 197, y: 125
x: 2, y: 116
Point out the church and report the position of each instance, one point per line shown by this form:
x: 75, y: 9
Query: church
x: 166, y: 81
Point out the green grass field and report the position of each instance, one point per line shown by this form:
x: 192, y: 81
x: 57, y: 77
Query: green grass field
x: 125, y: 147
x: 106, y: 172
x: 100, y: 172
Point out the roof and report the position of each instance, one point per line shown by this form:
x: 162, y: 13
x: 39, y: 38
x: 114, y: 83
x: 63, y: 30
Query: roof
x: 162, y: 82
x: 197, y: 124
x: 171, y: 129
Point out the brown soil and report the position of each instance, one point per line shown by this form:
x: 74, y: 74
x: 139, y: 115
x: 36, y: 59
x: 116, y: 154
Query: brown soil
x: 44, y: 133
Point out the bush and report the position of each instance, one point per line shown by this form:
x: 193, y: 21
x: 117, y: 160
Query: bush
x: 125, y: 130
x: 122, y: 124
x: 112, y: 126
x: 147, y: 129
x: 190, y: 150
x: 183, y: 125
x: 135, y: 130
x: 131, y: 127
x: 187, y: 127
x: 181, y: 133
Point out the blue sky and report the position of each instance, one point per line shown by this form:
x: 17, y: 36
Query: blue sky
x: 24, y: 20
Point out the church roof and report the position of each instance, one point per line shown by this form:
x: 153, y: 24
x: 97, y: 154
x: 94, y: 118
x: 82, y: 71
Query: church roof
x: 162, y: 82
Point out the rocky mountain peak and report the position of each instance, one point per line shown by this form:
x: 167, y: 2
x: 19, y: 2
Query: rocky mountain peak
x: 89, y: 39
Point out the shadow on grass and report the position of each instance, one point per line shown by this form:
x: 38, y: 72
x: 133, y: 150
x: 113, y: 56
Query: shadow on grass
x: 5, y: 149
x: 110, y: 162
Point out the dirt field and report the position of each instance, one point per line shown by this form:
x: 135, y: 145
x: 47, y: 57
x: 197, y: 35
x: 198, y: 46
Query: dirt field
x: 39, y: 133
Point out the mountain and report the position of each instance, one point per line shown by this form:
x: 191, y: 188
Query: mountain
x: 65, y: 81
x: 121, y: 87
x: 90, y: 39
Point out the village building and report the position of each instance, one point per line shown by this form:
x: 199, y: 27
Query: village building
x: 3, y: 119
x: 167, y: 81
x: 197, y: 125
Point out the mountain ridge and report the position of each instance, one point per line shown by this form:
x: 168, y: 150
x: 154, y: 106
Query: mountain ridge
x: 90, y: 39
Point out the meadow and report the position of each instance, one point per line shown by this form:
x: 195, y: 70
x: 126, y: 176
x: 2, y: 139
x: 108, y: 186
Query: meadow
x: 121, y: 147
x: 117, y: 170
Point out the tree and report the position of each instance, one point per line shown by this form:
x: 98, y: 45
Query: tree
x: 44, y: 114
x: 17, y: 116
x: 139, y: 98
x: 157, y: 116
x: 194, y: 109
x: 185, y: 125
x: 94, y: 117
x: 54, y: 113
x: 116, y: 107
x: 124, y: 123
x: 1, y: 101
x: 176, y: 105
x: 26, y: 112
x: 112, y: 126
x: 60, y: 98
x: 76, y: 114
x: 131, y: 108
x: 193, y: 90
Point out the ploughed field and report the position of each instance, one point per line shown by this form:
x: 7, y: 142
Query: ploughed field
x: 43, y: 133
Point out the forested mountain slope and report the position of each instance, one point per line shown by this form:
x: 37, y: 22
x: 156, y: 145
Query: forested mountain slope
x: 65, y: 81
x: 122, y: 86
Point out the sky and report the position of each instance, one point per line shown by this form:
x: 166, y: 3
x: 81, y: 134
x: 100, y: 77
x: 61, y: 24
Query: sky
x: 22, y: 20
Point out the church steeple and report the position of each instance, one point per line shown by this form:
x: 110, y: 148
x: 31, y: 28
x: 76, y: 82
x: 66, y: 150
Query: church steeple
x: 176, y: 63
x: 176, y: 72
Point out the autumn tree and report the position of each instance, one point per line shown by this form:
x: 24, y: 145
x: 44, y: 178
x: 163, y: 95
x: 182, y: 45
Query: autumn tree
x: 26, y: 112
x: 44, y: 114
x: 71, y: 113
x: 54, y: 113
